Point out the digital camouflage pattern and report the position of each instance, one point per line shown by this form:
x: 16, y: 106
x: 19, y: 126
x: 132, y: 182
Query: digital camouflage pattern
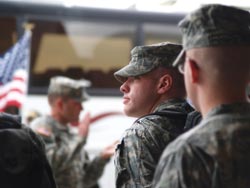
x: 146, y: 58
x: 140, y: 148
x: 214, y: 25
x: 70, y: 163
x: 64, y: 86
x: 214, y: 154
x: 193, y: 119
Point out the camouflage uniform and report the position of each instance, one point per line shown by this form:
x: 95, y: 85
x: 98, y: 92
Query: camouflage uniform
x: 142, y: 145
x: 216, y: 153
x: 140, y: 148
x: 70, y: 163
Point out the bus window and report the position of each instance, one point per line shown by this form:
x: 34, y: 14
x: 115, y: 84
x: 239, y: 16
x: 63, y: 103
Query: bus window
x: 91, y: 50
x: 155, y: 33
x: 8, y: 35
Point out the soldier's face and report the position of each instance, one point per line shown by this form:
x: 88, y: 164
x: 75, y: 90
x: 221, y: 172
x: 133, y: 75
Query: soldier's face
x: 71, y: 110
x: 139, y: 95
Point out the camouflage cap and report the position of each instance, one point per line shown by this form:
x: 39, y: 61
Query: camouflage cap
x: 146, y: 58
x: 214, y: 25
x: 63, y: 86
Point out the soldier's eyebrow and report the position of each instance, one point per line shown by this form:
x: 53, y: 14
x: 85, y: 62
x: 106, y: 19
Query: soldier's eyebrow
x: 136, y: 77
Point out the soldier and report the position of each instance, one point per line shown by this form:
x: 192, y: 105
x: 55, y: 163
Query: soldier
x: 153, y: 92
x: 70, y: 163
x: 23, y: 161
x: 215, y: 63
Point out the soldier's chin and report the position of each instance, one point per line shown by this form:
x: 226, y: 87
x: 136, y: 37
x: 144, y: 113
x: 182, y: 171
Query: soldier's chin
x: 132, y: 113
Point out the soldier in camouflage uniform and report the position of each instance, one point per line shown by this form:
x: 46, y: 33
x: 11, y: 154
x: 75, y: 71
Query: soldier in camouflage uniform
x: 154, y: 92
x: 70, y: 163
x: 216, y: 41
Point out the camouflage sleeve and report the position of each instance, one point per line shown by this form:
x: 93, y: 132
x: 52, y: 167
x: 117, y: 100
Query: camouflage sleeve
x: 61, y: 155
x: 184, y: 167
x: 61, y: 150
x: 136, y: 159
x: 93, y: 169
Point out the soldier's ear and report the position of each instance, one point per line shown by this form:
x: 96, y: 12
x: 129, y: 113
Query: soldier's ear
x: 194, y: 70
x: 165, y: 83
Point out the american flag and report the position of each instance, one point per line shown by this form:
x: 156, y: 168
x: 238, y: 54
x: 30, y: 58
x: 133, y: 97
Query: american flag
x: 14, y: 73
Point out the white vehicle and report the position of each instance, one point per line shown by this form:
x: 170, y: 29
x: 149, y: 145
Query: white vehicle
x: 89, y: 43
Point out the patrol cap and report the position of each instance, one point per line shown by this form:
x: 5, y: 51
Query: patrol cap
x: 214, y: 25
x: 64, y: 86
x: 146, y: 58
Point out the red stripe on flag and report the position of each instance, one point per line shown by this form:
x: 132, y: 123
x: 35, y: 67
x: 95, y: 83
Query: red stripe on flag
x: 10, y: 91
x: 15, y: 103
x: 18, y: 78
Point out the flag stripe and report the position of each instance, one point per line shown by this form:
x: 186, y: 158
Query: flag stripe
x: 15, y: 84
x: 13, y: 96
x: 14, y: 74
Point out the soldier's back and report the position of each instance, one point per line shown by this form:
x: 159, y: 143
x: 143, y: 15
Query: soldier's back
x: 23, y: 161
x: 219, y: 148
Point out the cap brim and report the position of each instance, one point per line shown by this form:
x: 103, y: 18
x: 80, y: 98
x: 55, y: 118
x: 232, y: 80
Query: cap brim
x: 129, y: 71
x: 180, y: 58
x: 122, y: 74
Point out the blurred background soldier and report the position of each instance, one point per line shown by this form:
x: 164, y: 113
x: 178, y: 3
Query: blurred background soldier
x: 71, y: 165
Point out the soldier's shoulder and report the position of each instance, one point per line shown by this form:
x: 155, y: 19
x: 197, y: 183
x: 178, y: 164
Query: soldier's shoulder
x: 180, y: 147
x: 150, y: 119
x: 165, y: 120
x: 143, y: 123
x: 42, y: 126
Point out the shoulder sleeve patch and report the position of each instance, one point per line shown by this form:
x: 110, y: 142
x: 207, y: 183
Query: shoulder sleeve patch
x: 44, y: 131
